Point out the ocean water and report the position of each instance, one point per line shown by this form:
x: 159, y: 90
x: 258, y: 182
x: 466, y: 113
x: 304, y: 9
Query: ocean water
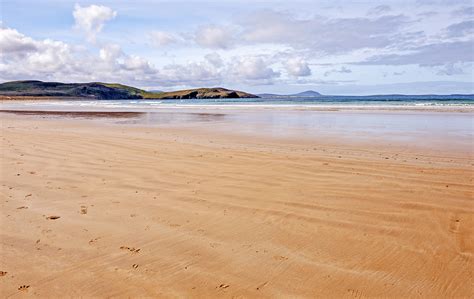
x: 288, y: 102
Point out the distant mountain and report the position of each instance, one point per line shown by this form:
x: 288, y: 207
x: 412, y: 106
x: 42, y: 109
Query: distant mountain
x: 109, y: 91
x: 304, y: 94
x: 308, y: 93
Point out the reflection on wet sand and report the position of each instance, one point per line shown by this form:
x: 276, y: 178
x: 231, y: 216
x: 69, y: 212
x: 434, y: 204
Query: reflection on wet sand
x: 76, y: 114
x: 161, y: 118
x: 445, y: 131
x: 131, y: 116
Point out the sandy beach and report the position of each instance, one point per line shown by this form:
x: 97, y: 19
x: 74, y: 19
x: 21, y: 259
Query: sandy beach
x: 106, y: 210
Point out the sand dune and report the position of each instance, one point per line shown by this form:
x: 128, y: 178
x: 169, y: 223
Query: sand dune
x: 91, y: 210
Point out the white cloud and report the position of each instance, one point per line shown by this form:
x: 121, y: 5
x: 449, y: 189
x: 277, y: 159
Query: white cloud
x: 278, y: 45
x: 22, y: 55
x: 51, y: 56
x: 253, y: 70
x: 11, y: 41
x: 212, y: 36
x: 137, y: 63
x: 91, y: 19
x: 110, y: 53
x: 162, y: 38
x: 214, y: 59
x: 297, y: 67
x: 26, y: 58
x: 190, y: 74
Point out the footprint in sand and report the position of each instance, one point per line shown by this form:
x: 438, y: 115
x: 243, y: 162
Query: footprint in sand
x: 92, y: 241
x: 22, y: 207
x: 131, y: 249
x: 83, y: 210
x: 3, y: 273
x: 223, y: 286
x: 280, y: 258
x: 454, y: 224
x: 53, y: 217
x: 135, y: 266
x: 23, y: 287
x: 354, y: 293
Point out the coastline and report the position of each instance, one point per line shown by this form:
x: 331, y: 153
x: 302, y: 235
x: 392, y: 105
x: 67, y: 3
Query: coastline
x: 143, y: 105
x: 176, y: 211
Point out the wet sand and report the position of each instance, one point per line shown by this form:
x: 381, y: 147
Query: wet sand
x: 91, y: 209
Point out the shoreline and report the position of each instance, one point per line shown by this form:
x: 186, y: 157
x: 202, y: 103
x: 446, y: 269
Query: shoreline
x: 156, y: 105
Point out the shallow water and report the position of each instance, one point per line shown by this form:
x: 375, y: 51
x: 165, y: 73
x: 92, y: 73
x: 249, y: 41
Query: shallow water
x: 295, y: 102
x: 434, y: 130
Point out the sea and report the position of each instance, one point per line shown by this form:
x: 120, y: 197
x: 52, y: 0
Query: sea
x: 281, y: 102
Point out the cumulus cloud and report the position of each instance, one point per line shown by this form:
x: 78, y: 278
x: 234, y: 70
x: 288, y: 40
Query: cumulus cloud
x: 252, y: 70
x: 214, y: 59
x: 91, y: 19
x: 24, y: 57
x: 213, y: 36
x: 11, y: 41
x: 297, y: 67
x: 255, y: 48
x: 28, y: 58
x: 137, y: 63
x: 110, y: 53
x: 162, y: 38
x: 190, y: 74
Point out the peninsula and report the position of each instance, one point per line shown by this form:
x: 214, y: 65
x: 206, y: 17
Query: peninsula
x: 109, y: 91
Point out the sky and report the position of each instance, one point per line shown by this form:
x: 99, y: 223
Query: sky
x: 334, y: 47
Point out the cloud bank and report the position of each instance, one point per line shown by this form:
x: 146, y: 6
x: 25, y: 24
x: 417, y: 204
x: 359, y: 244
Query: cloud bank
x: 383, y: 44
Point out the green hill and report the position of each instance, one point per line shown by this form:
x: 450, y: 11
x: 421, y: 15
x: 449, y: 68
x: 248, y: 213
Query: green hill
x: 108, y: 91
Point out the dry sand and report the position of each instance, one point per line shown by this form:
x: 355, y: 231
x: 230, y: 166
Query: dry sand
x: 103, y: 210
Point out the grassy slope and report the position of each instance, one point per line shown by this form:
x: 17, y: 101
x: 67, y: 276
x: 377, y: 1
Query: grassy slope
x: 109, y: 91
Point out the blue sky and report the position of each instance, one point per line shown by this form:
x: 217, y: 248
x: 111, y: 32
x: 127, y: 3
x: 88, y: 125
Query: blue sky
x: 334, y: 47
